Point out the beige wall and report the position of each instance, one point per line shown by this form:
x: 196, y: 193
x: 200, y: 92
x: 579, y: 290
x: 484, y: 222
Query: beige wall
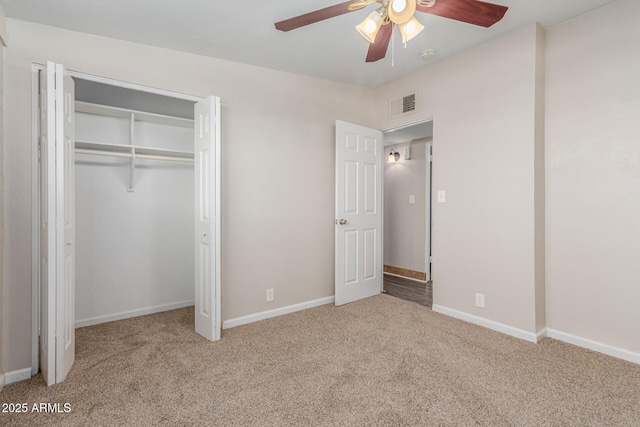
x: 3, y: 28
x: 3, y: 38
x: 278, y: 166
x: 405, y: 223
x: 483, y: 103
x: 593, y: 176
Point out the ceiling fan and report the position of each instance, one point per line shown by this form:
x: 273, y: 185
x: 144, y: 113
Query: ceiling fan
x: 378, y: 26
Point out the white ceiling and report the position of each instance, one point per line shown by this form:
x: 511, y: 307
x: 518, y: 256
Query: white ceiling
x: 243, y: 31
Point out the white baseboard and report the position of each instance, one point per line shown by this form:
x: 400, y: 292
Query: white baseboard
x: 620, y: 353
x: 232, y: 323
x: 16, y: 376
x: 132, y: 313
x: 1, y: 381
x: 496, y: 326
x: 542, y: 333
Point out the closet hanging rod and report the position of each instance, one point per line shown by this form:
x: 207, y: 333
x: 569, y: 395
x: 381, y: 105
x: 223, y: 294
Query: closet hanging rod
x: 130, y: 155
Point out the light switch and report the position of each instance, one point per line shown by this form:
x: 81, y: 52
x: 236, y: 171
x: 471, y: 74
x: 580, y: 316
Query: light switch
x: 412, y: 199
x: 441, y: 196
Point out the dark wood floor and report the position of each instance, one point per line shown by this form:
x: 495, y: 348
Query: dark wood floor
x: 410, y: 290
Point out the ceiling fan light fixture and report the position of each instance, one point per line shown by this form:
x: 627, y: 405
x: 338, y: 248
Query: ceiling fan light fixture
x: 410, y: 29
x: 399, y: 5
x: 370, y: 26
x: 401, y: 11
x: 394, y: 156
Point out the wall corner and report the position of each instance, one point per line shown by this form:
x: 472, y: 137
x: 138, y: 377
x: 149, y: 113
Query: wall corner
x: 3, y: 38
x: 539, y: 180
x: 3, y: 28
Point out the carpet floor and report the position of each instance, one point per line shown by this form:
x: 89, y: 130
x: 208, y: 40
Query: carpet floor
x: 380, y: 361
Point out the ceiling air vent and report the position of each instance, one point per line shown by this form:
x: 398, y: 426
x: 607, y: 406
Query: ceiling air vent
x: 402, y: 105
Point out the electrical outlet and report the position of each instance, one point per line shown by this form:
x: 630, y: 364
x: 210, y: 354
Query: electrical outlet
x: 480, y: 300
x: 270, y: 295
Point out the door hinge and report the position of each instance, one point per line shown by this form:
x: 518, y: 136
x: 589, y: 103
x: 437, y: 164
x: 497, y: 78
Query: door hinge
x: 430, y: 259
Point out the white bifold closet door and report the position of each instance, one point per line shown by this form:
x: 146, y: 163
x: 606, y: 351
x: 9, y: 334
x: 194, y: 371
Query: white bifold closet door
x: 57, y: 224
x: 207, y: 217
x: 57, y: 221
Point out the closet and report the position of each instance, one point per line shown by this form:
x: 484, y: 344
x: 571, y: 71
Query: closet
x: 128, y: 208
x: 134, y: 202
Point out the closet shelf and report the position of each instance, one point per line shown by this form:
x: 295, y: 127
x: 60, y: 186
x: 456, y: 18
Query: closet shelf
x: 123, y: 113
x: 121, y: 150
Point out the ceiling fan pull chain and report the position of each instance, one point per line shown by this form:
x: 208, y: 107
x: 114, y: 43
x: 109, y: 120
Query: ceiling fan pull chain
x: 393, y: 46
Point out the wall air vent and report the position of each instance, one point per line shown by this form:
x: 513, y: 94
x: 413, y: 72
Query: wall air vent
x: 408, y: 103
x: 402, y: 105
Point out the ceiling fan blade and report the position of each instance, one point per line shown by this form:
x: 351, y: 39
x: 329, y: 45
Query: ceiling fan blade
x: 315, y: 16
x: 470, y: 11
x: 378, y: 49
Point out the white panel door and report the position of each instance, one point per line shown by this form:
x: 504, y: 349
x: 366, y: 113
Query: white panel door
x: 207, y: 218
x: 358, y: 235
x: 57, y: 224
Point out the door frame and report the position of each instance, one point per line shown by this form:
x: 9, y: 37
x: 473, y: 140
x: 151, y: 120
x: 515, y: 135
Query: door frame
x: 35, y: 189
x: 428, y: 195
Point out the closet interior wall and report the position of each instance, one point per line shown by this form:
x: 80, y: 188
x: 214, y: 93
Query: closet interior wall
x: 134, y: 224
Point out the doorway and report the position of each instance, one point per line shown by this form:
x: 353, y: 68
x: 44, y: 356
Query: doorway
x: 407, y: 212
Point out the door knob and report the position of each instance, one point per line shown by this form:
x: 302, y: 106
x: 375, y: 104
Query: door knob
x: 343, y: 221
